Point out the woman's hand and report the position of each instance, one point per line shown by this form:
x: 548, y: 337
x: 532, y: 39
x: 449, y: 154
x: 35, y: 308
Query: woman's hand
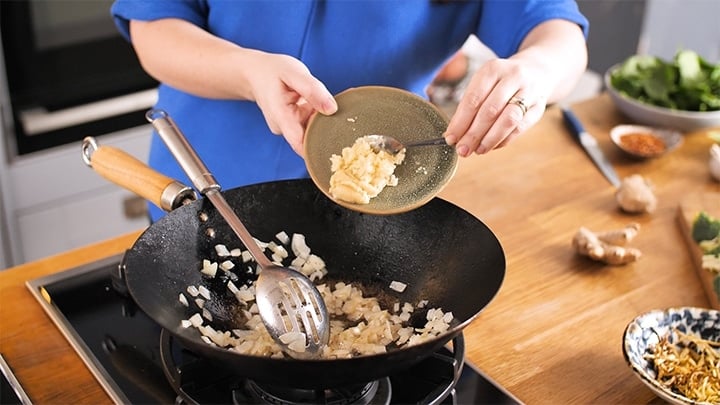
x: 191, y: 59
x: 287, y: 94
x: 505, y: 97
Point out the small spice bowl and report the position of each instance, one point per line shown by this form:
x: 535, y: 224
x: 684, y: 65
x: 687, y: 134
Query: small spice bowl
x: 645, y: 142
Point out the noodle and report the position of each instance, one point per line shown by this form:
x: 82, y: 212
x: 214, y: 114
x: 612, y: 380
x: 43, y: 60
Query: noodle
x: 690, y: 366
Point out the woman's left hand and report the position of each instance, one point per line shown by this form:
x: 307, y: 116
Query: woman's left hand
x: 504, y: 98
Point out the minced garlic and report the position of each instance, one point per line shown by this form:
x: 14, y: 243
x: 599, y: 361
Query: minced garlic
x: 361, y: 173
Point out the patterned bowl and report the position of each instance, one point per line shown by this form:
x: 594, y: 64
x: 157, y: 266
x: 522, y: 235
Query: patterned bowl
x: 646, y: 330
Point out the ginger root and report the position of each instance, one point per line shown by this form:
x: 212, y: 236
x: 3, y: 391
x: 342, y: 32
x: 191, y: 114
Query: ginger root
x: 607, y: 246
x: 635, y: 195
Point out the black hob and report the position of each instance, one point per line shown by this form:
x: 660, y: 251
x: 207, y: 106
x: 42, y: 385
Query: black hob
x: 137, y: 362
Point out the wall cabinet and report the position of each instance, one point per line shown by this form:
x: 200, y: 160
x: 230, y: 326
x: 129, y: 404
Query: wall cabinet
x: 53, y: 202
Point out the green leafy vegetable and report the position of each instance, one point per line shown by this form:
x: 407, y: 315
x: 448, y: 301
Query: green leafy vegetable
x: 706, y: 232
x: 705, y: 227
x: 688, y: 82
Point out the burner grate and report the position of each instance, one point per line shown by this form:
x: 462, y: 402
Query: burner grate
x: 197, y: 380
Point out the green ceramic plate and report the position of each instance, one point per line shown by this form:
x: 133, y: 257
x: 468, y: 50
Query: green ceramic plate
x: 387, y: 111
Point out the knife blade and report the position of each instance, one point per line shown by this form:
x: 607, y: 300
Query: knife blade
x: 590, y: 144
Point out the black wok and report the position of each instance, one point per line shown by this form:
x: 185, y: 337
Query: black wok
x: 444, y: 254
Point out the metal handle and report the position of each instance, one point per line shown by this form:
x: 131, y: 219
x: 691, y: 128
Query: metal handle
x: 38, y: 120
x: 202, y: 179
x: 180, y: 148
x: 428, y: 142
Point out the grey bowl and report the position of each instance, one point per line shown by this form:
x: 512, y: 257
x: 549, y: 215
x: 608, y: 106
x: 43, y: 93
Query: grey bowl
x: 641, y: 113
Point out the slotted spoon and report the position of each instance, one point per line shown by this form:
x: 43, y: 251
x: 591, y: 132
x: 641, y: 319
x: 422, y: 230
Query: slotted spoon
x: 290, y: 305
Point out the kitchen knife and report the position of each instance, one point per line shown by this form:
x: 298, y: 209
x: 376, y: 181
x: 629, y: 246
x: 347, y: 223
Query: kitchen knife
x: 589, y: 143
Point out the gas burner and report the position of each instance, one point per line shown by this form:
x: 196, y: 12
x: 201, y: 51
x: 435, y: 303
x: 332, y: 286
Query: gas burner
x: 373, y: 393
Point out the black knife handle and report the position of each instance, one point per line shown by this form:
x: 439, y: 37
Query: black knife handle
x: 573, y: 122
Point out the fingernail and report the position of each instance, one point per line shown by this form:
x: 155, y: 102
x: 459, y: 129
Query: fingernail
x: 462, y: 150
x: 329, y: 106
x: 450, y: 139
x: 480, y: 149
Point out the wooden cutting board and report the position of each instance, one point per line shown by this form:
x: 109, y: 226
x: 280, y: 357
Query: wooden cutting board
x: 690, y: 206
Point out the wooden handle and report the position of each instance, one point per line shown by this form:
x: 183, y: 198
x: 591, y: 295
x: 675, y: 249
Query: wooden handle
x: 128, y: 172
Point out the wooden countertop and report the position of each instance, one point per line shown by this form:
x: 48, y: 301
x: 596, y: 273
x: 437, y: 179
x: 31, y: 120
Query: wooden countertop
x: 552, y: 334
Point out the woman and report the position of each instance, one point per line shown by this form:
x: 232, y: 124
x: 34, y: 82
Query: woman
x: 235, y: 72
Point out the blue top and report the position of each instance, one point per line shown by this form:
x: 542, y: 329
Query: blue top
x: 344, y: 43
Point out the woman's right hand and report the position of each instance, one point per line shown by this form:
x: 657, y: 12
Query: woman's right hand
x: 182, y: 55
x: 287, y: 94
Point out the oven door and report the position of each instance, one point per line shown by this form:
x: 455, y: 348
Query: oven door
x: 69, y: 72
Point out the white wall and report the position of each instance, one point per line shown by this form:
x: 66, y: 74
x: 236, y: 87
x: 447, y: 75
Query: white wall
x: 670, y: 25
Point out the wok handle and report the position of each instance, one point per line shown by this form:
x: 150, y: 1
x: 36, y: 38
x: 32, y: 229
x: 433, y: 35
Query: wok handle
x: 126, y: 171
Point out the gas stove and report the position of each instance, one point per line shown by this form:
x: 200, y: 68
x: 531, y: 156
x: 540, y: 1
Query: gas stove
x: 137, y: 362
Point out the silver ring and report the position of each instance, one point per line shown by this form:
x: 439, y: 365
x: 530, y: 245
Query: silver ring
x: 520, y: 102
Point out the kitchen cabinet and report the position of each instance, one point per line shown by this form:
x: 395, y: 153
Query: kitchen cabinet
x: 53, y: 202
x: 4, y: 246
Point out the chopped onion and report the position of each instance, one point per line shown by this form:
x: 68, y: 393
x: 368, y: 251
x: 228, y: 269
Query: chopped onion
x: 183, y: 299
x: 245, y: 294
x: 222, y: 250
x: 204, y: 292
x: 398, y: 286
x: 283, y: 237
x: 261, y: 244
x: 294, y: 340
x: 298, y: 245
x: 289, y: 337
x: 196, y: 320
x: 209, y: 268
